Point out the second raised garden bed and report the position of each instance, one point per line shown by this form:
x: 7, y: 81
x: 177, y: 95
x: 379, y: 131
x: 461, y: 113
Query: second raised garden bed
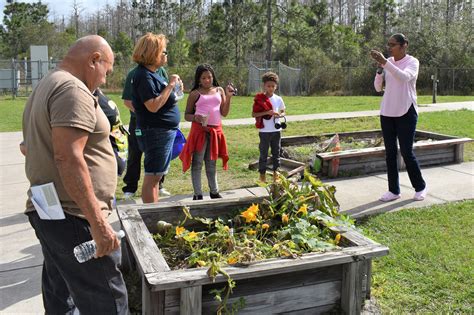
x: 430, y: 149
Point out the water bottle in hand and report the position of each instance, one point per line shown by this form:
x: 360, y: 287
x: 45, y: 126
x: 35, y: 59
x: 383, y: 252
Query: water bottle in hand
x: 85, y: 251
x: 178, y: 91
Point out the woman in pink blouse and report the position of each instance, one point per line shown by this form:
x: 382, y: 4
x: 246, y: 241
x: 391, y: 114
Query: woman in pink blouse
x: 398, y: 113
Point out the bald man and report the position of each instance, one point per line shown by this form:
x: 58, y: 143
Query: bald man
x: 67, y: 137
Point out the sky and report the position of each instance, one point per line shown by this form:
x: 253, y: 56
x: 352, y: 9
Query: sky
x: 59, y: 8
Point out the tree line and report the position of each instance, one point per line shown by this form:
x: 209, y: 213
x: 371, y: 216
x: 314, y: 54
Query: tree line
x: 310, y: 34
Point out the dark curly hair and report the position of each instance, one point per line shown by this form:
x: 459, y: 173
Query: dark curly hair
x: 199, y: 71
x: 270, y: 76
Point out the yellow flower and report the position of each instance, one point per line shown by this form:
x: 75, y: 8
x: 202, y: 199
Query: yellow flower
x: 249, y: 216
x: 253, y: 208
x: 180, y: 230
x: 338, y: 238
x: 251, y: 232
x: 192, y: 235
x: 303, y: 209
x: 231, y: 260
x: 226, y: 228
x: 201, y: 263
x: 265, y: 226
x: 284, y: 218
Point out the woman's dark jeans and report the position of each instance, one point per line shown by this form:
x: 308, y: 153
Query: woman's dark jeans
x: 403, y: 128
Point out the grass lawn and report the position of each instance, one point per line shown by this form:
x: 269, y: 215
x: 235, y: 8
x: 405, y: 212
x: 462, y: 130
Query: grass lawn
x: 11, y: 110
x: 430, y: 265
x: 243, y: 146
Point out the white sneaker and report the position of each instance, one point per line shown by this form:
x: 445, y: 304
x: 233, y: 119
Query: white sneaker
x: 420, y: 195
x: 389, y: 196
x: 128, y: 195
x: 164, y: 192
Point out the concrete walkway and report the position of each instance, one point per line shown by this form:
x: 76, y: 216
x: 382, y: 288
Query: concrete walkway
x: 20, y: 252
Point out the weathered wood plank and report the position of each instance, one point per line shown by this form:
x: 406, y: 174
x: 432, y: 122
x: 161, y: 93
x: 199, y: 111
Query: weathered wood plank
x: 368, y: 272
x: 325, y: 309
x: 351, y: 153
x: 318, y: 298
x: 198, y: 276
x: 142, y: 245
x: 172, y: 212
x: 152, y: 302
x: 302, y: 140
x: 254, y: 165
x: 459, y: 153
x: 440, y: 143
x: 299, y: 170
x: 381, y: 150
x: 286, y: 300
x: 267, y: 284
x: 258, y: 191
x: 432, y: 135
x: 191, y: 301
x: 292, y: 167
x: 351, y: 289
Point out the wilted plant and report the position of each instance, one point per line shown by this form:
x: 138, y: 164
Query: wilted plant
x: 295, y: 219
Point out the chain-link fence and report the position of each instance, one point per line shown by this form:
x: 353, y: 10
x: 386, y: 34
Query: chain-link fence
x: 18, y: 78
x: 290, y: 78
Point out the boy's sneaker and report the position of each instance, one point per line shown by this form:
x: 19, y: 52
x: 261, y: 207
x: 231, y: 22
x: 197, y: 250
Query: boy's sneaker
x: 263, y: 178
x: 389, y: 196
x: 420, y: 195
x: 128, y: 195
x: 215, y: 196
x: 164, y: 192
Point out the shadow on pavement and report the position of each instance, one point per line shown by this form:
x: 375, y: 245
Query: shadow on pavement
x: 18, y: 218
x: 372, y: 208
x: 20, y: 284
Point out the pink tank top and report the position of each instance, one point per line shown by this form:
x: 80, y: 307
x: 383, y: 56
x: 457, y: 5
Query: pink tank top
x: 210, y: 104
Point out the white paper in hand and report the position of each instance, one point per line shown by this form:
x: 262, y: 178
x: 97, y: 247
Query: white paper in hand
x: 46, y: 202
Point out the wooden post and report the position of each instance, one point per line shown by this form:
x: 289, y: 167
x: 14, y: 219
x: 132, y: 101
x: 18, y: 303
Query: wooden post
x: 191, y: 301
x: 351, y: 289
x: 458, y: 153
x: 434, y: 77
x: 153, y: 303
x: 368, y: 273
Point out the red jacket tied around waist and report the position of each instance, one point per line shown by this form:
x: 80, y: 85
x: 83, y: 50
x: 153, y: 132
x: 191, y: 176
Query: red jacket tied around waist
x: 261, y: 103
x: 196, y: 140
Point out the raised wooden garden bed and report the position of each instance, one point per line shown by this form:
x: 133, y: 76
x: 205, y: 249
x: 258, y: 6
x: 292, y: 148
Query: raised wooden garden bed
x: 290, y: 167
x: 439, y: 149
x: 315, y: 283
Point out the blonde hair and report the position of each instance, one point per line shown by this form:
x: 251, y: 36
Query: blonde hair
x: 149, y: 48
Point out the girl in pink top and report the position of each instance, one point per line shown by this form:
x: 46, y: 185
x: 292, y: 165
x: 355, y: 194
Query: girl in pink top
x: 207, y: 102
x: 398, y: 114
